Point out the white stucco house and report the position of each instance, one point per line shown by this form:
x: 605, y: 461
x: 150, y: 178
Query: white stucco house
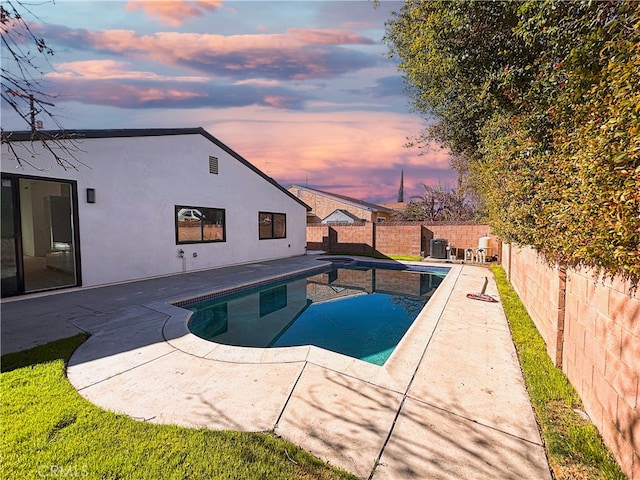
x: 141, y: 203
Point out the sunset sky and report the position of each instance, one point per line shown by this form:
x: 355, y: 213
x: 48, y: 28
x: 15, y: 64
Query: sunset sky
x: 303, y: 90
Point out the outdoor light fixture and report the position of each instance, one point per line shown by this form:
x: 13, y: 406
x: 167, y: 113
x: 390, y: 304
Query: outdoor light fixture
x: 91, y: 195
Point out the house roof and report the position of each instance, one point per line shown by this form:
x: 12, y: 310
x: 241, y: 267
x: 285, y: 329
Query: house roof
x: 396, y: 206
x: 372, y: 207
x: 339, y: 214
x: 24, y: 136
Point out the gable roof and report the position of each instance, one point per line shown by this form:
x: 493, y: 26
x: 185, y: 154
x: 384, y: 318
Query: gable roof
x: 25, y: 136
x: 372, y: 207
x: 339, y: 215
x: 396, y: 206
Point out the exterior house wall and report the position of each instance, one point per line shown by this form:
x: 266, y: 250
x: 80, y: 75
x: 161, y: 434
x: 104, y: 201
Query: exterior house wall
x: 130, y: 232
x: 379, y: 217
x: 323, y: 206
x: 598, y: 347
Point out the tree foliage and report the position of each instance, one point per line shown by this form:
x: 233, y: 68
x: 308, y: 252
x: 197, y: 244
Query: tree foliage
x: 540, y: 103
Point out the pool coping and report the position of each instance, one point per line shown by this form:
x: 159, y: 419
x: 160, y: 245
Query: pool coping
x: 462, y: 412
x: 395, y: 374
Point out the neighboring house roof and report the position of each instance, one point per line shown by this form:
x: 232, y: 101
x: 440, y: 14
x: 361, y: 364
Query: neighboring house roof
x: 25, y: 136
x: 372, y: 207
x: 397, y: 206
x: 341, y: 216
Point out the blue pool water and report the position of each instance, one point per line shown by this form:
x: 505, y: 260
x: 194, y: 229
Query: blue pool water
x: 361, y: 310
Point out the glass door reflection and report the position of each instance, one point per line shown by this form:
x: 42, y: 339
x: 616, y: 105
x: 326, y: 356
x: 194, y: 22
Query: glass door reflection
x: 48, y: 247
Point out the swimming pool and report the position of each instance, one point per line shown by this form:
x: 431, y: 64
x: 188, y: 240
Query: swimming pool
x: 359, y: 309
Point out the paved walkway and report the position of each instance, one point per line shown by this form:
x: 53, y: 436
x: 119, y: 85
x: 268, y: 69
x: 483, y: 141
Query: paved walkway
x: 449, y: 404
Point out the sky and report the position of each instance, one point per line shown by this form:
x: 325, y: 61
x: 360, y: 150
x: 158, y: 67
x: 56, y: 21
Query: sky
x: 303, y: 90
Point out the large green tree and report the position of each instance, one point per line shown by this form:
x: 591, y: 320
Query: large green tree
x: 539, y: 101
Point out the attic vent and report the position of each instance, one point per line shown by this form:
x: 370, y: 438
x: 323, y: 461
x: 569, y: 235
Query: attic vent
x: 213, y: 165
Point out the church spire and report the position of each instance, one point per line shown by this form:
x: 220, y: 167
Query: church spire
x: 401, y: 190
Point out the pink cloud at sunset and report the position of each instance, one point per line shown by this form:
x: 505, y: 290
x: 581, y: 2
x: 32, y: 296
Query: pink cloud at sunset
x: 326, y: 36
x: 172, y: 12
x: 297, y: 53
x: 122, y: 95
x: 258, y: 82
x: 188, y: 45
x: 304, y: 90
x: 111, y: 69
x: 359, y: 154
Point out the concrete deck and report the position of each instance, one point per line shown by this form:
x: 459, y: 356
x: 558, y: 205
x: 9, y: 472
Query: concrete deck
x: 450, y: 402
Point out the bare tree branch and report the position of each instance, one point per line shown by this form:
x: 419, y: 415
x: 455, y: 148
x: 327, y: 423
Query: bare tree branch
x: 439, y: 204
x: 22, y: 92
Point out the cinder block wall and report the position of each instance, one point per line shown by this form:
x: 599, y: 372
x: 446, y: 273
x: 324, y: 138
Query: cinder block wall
x: 400, y: 239
x: 316, y: 235
x: 463, y: 236
x: 410, y: 238
x: 602, y: 360
x: 538, y: 286
x: 600, y: 347
x: 352, y: 238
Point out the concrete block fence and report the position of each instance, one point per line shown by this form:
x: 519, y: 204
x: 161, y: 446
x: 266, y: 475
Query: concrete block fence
x: 592, y: 330
x: 410, y: 238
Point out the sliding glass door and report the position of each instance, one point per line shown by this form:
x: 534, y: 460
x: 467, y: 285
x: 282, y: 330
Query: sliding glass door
x: 38, y: 235
x: 10, y: 239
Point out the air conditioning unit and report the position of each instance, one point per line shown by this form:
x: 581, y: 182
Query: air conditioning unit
x: 438, y: 248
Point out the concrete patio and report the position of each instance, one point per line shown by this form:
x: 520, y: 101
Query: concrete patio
x: 450, y: 403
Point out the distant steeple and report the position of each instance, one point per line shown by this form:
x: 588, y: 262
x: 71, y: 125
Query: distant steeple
x: 401, y: 190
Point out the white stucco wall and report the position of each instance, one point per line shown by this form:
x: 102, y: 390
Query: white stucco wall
x: 129, y: 233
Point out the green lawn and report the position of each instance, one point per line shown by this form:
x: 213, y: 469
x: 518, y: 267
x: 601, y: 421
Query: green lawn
x: 48, y: 430
x: 574, y: 447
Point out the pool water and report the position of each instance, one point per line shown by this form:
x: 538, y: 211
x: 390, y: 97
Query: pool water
x: 362, y: 311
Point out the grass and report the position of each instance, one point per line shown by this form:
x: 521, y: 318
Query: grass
x: 400, y: 258
x: 60, y: 349
x: 48, y: 430
x: 405, y: 258
x: 574, y: 447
